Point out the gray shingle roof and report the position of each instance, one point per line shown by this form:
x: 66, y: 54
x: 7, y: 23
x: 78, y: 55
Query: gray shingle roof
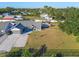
x: 28, y: 24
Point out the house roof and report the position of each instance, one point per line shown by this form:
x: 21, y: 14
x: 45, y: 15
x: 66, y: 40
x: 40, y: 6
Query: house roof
x: 15, y: 29
x: 18, y: 26
x: 23, y: 28
x: 29, y: 24
x: 8, y: 27
x: 8, y: 18
x: 6, y: 14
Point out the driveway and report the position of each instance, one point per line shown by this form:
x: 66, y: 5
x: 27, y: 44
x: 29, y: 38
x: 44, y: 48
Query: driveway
x: 14, y: 40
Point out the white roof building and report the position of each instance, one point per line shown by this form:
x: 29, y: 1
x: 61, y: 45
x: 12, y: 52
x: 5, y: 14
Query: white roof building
x: 18, y: 17
x: 44, y: 16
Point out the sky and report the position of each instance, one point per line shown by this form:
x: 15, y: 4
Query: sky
x: 38, y: 4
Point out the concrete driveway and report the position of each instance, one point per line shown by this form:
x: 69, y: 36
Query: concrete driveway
x: 14, y: 40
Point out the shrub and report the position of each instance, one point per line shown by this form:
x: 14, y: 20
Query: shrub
x: 77, y: 39
x: 26, y: 53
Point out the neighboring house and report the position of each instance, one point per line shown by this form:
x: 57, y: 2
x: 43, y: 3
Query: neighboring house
x: 7, y: 18
x: 11, y: 18
x: 37, y: 26
x: 6, y: 14
x: 24, y: 13
x: 18, y: 17
x: 46, y: 17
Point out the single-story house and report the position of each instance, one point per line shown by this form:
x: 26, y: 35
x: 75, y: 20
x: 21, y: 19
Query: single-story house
x: 7, y: 18
x: 46, y: 17
x: 30, y: 24
x: 24, y: 13
x: 18, y: 17
x: 36, y: 25
x: 24, y: 26
x: 6, y: 14
x: 17, y: 28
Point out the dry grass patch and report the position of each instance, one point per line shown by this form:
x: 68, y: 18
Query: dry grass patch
x: 54, y: 38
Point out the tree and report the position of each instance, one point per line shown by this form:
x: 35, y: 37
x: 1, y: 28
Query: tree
x: 71, y: 24
x: 26, y: 53
x: 17, y: 53
x: 59, y: 54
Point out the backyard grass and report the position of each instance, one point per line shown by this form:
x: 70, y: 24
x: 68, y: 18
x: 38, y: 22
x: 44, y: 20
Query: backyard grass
x: 54, y: 38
